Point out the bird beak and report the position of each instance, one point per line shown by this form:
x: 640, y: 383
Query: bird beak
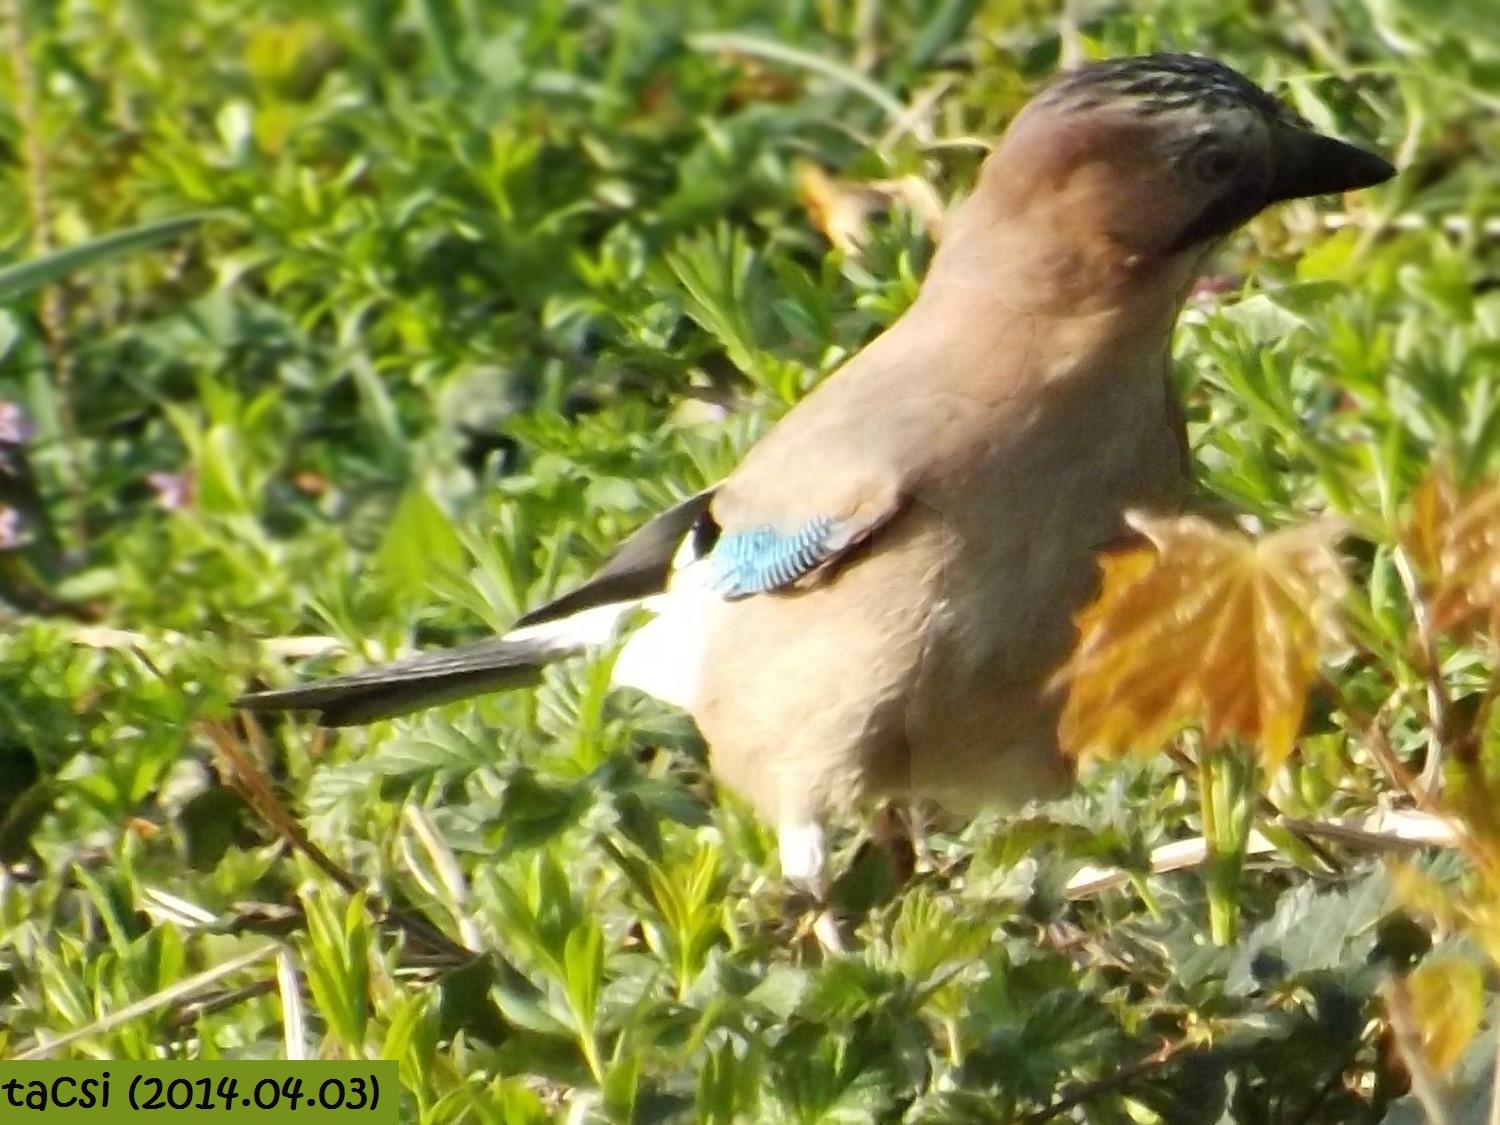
x: 1308, y: 163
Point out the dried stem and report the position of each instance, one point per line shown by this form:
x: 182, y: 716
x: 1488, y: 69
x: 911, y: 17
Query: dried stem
x: 169, y: 997
x: 1495, y: 1091
x: 866, y: 35
x: 1438, y: 704
x: 1479, y: 848
x: 1457, y: 225
x: 252, y: 784
x: 1424, y: 1083
x: 1087, y: 1091
x: 1372, y: 736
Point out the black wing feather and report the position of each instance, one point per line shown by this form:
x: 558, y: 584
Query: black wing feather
x: 638, y: 568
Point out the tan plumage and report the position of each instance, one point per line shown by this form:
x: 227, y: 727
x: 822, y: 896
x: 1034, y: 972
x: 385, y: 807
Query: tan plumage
x: 891, y: 572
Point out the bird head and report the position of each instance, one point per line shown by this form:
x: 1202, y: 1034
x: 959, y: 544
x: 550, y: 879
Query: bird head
x: 1129, y: 166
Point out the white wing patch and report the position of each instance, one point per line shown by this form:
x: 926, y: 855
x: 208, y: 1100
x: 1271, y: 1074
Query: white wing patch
x: 589, y: 628
x: 664, y: 657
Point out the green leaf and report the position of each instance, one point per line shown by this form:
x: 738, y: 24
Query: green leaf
x: 338, y: 947
x: 419, y: 542
x: 583, y: 961
x: 26, y: 277
x: 1312, y: 931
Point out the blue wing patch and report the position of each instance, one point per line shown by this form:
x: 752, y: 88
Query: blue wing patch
x: 762, y: 559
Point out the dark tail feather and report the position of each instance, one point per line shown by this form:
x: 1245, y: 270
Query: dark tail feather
x: 638, y: 568
x: 417, y: 682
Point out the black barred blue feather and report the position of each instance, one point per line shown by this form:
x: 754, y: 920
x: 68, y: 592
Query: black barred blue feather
x: 762, y: 559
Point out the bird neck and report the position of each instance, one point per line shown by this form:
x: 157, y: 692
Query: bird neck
x: 1035, y: 266
x: 1049, y: 233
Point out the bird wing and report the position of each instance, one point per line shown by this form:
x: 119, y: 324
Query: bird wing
x: 638, y: 567
x: 902, y: 422
x: 765, y: 559
x: 578, y: 621
x: 427, y: 679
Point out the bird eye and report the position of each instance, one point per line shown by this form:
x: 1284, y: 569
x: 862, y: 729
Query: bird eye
x: 1215, y: 164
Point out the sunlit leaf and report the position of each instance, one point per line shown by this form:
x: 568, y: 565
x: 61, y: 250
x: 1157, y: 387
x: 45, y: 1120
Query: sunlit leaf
x: 29, y: 276
x: 845, y: 211
x: 1208, y: 628
x: 420, y: 539
x: 1476, y: 917
x: 1447, y: 1001
x: 547, y: 264
x: 1454, y: 536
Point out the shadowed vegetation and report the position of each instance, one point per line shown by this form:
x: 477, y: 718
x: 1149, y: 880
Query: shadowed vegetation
x: 427, y: 303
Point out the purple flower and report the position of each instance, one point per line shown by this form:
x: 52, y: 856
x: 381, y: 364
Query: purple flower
x: 15, y: 427
x: 174, y: 491
x: 1208, y: 289
x: 11, y: 534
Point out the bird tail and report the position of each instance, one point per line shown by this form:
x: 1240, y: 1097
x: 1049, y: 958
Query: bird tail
x: 578, y: 622
x: 425, y: 680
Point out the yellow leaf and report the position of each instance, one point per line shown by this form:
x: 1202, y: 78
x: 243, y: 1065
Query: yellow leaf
x: 1424, y: 894
x: 844, y: 211
x: 1475, y: 913
x: 1447, y: 1003
x: 1209, y: 628
x: 1454, y: 538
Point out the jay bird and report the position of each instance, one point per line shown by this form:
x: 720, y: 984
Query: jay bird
x: 874, y: 602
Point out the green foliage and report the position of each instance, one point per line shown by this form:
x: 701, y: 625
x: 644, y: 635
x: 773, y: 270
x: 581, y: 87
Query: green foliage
x: 483, y: 286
